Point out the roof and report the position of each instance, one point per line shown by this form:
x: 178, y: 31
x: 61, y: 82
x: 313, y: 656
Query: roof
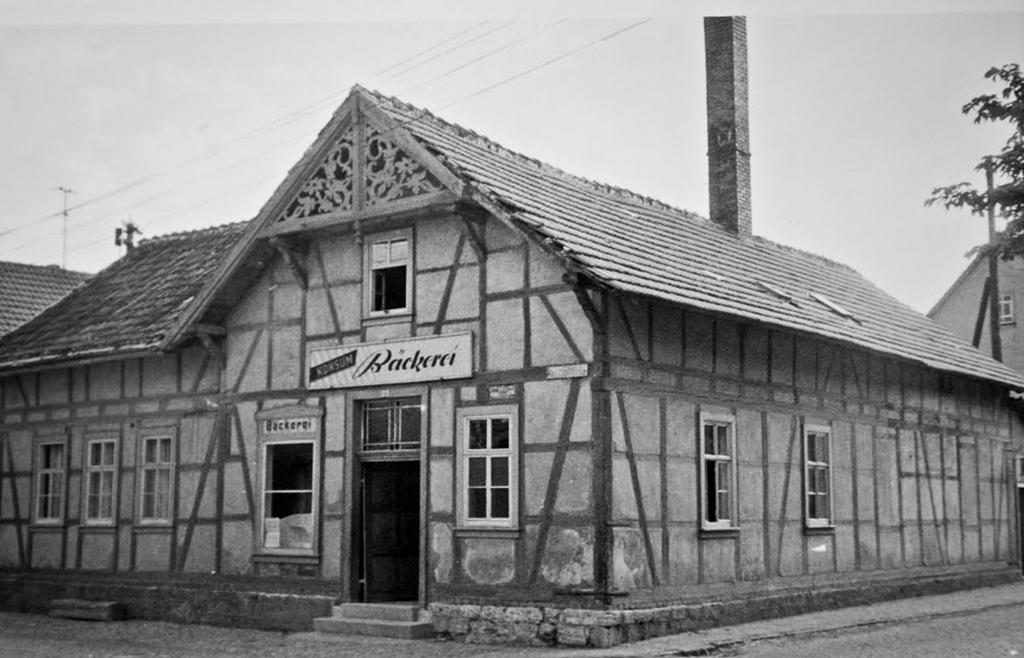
x: 627, y: 242
x: 127, y: 307
x: 642, y: 246
x: 25, y: 290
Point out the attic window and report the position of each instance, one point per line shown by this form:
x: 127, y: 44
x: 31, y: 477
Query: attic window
x: 778, y: 292
x: 832, y: 306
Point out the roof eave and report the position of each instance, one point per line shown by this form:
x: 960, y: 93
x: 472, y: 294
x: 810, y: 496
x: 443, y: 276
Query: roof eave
x: 78, y: 358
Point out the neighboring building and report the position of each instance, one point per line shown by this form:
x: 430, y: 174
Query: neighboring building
x: 25, y: 290
x: 544, y: 409
x: 960, y: 309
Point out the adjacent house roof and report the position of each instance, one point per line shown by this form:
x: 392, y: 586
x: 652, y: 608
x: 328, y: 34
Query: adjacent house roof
x: 25, y: 290
x: 128, y: 306
x: 617, y: 238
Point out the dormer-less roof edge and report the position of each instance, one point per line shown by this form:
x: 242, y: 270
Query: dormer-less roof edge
x: 78, y: 358
x: 1009, y: 378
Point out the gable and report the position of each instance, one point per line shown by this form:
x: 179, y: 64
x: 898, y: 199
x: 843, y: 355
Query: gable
x: 363, y: 167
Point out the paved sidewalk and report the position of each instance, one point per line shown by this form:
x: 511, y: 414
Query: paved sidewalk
x: 35, y: 635
x: 710, y: 641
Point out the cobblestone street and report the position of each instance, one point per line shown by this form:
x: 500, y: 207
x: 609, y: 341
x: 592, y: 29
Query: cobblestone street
x: 36, y: 635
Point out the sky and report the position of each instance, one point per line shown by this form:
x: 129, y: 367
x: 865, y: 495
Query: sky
x: 176, y: 116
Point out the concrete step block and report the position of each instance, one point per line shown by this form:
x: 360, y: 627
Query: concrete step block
x: 384, y: 611
x: 399, y: 630
x: 82, y: 609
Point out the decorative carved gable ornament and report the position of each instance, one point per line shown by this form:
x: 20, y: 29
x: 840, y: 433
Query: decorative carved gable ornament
x: 389, y: 174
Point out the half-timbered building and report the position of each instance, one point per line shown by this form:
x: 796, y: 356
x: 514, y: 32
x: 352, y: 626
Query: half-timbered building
x: 533, y: 407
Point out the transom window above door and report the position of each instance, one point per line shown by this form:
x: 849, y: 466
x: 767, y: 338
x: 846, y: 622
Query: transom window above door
x: 392, y: 424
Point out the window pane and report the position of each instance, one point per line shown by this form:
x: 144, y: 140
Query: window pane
x: 709, y: 439
x: 823, y: 448
x: 108, y: 453
x: 723, y: 506
x: 499, y: 503
x: 499, y: 433
x: 723, y: 440
x: 478, y: 434
x: 723, y: 475
x: 499, y: 471
x: 94, y: 454
x: 290, y: 466
x: 477, y: 503
x: 165, y: 450
x: 410, y: 425
x: 399, y: 250
x: 478, y: 472
x: 710, y: 489
x: 812, y: 447
x: 150, y: 451
x: 393, y: 294
x: 148, y: 481
x: 380, y: 253
x: 285, y: 504
x: 376, y: 425
x: 379, y: 288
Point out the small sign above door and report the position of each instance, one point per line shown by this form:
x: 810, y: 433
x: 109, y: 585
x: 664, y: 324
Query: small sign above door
x: 449, y: 356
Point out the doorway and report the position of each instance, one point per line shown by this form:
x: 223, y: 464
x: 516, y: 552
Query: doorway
x: 390, y: 530
x: 1020, y: 520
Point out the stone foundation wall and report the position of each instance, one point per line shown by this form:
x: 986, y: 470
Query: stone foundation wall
x: 540, y: 625
x: 176, y: 602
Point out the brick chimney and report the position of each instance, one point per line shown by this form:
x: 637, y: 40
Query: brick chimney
x: 725, y: 48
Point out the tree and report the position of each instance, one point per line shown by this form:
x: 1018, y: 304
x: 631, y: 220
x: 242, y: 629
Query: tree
x: 1006, y: 195
x: 1006, y: 198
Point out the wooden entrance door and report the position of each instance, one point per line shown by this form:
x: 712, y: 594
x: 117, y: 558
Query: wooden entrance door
x: 391, y: 530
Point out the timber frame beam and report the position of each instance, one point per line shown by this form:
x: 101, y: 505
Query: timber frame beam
x: 206, y: 333
x: 291, y: 254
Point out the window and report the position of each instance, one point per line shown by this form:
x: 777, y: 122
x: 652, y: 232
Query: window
x: 100, y: 480
x: 488, y: 467
x: 391, y: 424
x: 289, y: 494
x: 817, y: 476
x: 717, y: 473
x: 50, y: 464
x: 156, y: 477
x: 1006, y: 309
x: 390, y: 274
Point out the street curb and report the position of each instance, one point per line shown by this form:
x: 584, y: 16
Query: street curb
x: 712, y: 648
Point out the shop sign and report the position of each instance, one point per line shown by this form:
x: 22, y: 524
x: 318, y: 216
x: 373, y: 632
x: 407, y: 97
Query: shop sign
x: 449, y: 356
x: 306, y: 425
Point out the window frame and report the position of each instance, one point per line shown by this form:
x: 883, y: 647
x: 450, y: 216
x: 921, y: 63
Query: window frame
x: 369, y: 291
x: 394, y: 405
x: 708, y: 419
x: 171, y: 466
x: 1008, y: 316
x: 312, y: 436
x: 37, y: 476
x: 822, y: 429
x: 488, y: 412
x: 113, y: 469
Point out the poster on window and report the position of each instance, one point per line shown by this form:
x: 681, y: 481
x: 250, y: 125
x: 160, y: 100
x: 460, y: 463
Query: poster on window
x: 449, y: 356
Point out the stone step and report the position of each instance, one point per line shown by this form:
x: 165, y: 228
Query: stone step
x: 400, y: 630
x: 82, y: 609
x: 382, y: 611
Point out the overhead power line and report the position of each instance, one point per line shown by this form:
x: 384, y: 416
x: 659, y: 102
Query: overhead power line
x: 603, y: 38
